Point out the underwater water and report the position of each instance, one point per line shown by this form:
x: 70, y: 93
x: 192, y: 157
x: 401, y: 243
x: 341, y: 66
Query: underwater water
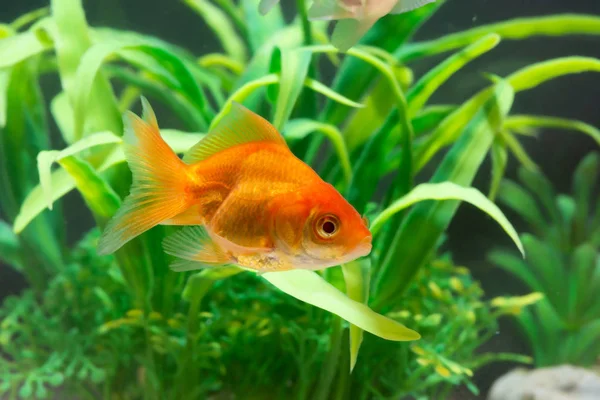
x: 464, y: 134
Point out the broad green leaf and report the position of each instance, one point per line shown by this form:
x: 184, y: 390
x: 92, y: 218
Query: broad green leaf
x: 199, y: 283
x: 537, y: 183
x: 293, y: 65
x: 19, y: 47
x: 419, y: 94
x: 582, y: 265
x: 45, y: 159
x: 263, y: 28
x: 300, y: 128
x: 448, y: 191
x: 514, y: 29
x: 516, y: 122
x: 417, y: 236
x: 63, y: 116
x: 499, y: 159
x: 96, y: 192
x: 357, y: 276
x: 62, y: 182
x: 218, y: 21
x: 72, y: 41
x: 311, y: 288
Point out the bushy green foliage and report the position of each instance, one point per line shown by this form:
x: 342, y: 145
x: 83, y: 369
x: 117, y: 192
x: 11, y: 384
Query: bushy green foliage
x: 126, y: 326
x: 563, y: 263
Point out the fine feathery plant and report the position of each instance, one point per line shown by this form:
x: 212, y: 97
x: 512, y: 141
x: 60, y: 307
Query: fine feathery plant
x: 127, y: 325
x: 563, y: 263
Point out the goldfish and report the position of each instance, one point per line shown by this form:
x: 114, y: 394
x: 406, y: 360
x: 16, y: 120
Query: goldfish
x: 356, y: 16
x: 242, y: 197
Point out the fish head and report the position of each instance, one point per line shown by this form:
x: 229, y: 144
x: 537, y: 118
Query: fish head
x: 323, y: 230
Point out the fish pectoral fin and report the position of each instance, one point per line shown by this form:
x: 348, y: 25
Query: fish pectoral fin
x: 239, y: 126
x: 409, y: 5
x: 194, y: 244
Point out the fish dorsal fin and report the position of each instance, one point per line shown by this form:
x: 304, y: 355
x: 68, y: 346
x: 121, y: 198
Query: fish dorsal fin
x: 238, y: 126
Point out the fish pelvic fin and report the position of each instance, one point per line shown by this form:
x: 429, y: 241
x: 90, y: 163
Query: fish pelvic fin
x: 194, y: 248
x: 160, y: 178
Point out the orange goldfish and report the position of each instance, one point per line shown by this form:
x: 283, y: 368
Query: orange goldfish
x: 248, y: 199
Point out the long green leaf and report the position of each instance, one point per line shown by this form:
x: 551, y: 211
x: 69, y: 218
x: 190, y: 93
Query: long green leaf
x: 218, y: 21
x: 499, y: 159
x: 523, y: 79
x: 521, y: 201
x: 421, y: 228
x: 516, y: 266
x: 62, y: 183
x: 300, y: 128
x: 311, y: 288
x: 419, y: 94
x: 514, y: 29
x: 448, y: 191
x: 534, y: 121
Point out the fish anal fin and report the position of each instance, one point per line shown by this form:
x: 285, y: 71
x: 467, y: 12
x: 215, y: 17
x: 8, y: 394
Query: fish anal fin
x: 193, y: 243
x: 239, y: 126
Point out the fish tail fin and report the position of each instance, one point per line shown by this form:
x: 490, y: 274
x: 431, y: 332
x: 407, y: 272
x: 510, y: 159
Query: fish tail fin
x: 160, y: 178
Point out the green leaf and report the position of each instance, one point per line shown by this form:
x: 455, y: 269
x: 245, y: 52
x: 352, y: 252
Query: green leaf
x: 516, y: 122
x: 9, y: 246
x: 294, y: 70
x: 517, y: 267
x: 430, y: 117
x: 547, y: 264
x: 523, y: 79
x: 419, y: 94
x: 499, y: 159
x: 417, y: 236
x: 45, y: 159
x: 311, y: 288
x: 518, y: 151
x: 4, y: 81
x: 299, y: 128
x: 522, y: 202
x: 29, y: 17
x: 357, y: 275
x: 72, y: 41
x: 62, y: 183
x: 537, y: 183
x: 332, y: 95
x: 263, y: 27
x: 19, y: 47
x: 514, y: 29
x: 585, y: 180
x: 218, y: 21
x: 448, y: 191
x: 582, y: 265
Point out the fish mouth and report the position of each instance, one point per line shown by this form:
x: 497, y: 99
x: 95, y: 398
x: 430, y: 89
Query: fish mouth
x: 364, y: 247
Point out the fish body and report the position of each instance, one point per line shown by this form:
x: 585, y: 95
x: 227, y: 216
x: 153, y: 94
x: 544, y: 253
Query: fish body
x: 246, y: 199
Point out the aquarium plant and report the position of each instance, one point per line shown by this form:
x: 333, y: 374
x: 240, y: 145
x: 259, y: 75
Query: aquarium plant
x: 126, y: 326
x: 563, y: 263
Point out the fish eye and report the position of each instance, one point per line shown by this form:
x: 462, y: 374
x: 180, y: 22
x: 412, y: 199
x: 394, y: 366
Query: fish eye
x: 327, y: 226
